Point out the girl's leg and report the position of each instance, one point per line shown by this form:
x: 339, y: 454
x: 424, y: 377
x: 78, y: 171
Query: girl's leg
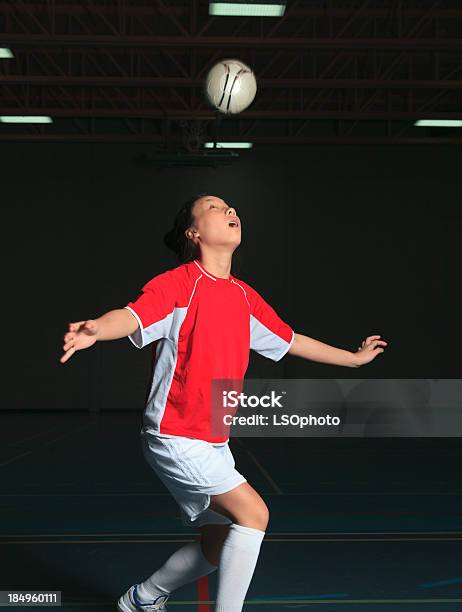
x: 212, y: 538
x: 185, y: 565
x: 250, y: 516
x: 239, y: 554
x: 243, y: 505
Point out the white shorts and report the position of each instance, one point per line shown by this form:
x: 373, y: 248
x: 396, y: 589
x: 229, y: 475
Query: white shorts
x: 192, y: 470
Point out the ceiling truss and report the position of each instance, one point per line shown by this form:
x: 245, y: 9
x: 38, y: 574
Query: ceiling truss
x: 328, y: 71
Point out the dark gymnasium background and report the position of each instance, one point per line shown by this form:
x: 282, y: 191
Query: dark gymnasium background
x: 351, y: 217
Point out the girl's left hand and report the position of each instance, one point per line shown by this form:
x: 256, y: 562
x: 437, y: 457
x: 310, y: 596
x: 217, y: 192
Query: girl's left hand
x: 368, y: 350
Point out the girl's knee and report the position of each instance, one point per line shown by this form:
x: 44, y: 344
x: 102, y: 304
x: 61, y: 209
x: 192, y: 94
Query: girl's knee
x: 257, y: 518
x: 243, y: 506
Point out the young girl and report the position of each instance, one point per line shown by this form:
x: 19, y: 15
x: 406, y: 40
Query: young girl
x: 203, y: 320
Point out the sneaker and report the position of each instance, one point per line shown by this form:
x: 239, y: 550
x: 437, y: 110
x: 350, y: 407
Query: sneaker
x: 129, y: 602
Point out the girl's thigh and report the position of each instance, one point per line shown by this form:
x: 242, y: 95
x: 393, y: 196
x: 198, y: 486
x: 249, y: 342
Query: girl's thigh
x: 243, y: 505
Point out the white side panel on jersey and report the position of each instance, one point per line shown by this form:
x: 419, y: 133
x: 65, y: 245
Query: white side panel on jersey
x: 144, y: 336
x: 164, y: 368
x: 266, y: 342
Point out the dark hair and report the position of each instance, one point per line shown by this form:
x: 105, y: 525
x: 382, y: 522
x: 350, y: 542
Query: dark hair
x: 183, y: 247
x: 175, y: 239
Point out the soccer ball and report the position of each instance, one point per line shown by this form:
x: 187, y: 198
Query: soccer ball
x: 230, y: 86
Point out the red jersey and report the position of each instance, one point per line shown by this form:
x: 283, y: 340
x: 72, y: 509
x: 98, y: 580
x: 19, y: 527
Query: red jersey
x: 203, y: 327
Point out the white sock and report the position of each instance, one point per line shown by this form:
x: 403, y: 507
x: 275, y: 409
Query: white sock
x: 185, y: 565
x: 237, y: 564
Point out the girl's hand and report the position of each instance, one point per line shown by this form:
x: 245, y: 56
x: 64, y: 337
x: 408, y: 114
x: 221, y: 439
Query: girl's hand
x: 368, y: 350
x: 81, y: 335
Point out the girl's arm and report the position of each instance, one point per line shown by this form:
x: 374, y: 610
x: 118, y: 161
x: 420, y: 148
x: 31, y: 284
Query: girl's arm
x: 115, y: 324
x: 314, y: 350
x: 112, y: 325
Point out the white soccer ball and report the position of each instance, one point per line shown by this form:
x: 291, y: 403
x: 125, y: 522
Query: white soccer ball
x: 230, y: 86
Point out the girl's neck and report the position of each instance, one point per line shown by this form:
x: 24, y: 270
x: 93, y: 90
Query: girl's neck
x: 217, y: 265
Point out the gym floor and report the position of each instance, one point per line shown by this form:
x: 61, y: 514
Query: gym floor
x: 368, y: 524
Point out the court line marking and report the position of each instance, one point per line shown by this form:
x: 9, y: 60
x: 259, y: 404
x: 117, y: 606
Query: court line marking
x: 438, y: 583
x: 202, y: 585
x: 310, y: 494
x: 265, y: 473
x: 37, y: 435
x: 271, y: 533
x: 355, y: 601
x: 186, y: 539
x: 184, y: 602
x: 44, y: 445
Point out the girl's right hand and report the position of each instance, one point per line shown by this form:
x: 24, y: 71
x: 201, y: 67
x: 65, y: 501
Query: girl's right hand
x: 81, y: 335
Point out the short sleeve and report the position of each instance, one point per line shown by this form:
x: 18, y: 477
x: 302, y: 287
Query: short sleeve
x: 154, y: 309
x: 269, y: 335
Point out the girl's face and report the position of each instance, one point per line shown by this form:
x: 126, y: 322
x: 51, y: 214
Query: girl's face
x: 215, y: 223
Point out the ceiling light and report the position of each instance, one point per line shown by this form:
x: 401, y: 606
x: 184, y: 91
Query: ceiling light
x: 228, y: 145
x: 13, y: 119
x: 5, y: 53
x: 256, y: 8
x: 438, y: 123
